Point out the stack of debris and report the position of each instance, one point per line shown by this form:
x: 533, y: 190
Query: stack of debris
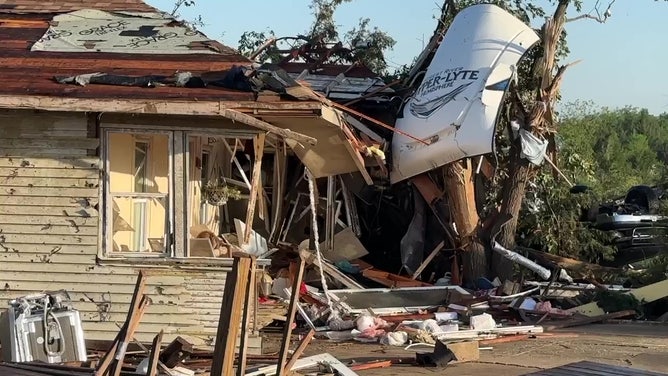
x: 443, y: 324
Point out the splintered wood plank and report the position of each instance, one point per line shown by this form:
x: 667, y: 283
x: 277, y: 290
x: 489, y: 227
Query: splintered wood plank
x: 155, y: 353
x: 250, y: 294
x: 292, y: 311
x: 299, y: 350
x: 230, y: 316
x: 137, y: 300
x: 256, y: 181
x: 426, y: 261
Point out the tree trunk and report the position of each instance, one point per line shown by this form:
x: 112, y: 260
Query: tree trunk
x: 514, y: 187
x: 459, y: 188
x: 514, y: 190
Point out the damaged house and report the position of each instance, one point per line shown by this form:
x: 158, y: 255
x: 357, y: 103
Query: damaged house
x: 130, y: 141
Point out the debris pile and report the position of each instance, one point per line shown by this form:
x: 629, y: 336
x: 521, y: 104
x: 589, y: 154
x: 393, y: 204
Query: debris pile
x: 437, y: 325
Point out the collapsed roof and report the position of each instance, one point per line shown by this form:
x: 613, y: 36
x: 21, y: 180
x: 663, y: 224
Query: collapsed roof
x: 40, y: 40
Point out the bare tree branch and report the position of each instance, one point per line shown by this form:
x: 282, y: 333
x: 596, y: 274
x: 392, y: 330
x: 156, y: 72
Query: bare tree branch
x: 600, y: 18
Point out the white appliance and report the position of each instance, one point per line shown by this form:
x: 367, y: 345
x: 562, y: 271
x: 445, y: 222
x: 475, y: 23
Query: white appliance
x: 42, y: 328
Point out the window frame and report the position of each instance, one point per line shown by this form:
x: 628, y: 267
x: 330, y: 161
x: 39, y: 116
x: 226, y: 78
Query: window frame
x: 107, y: 196
x: 179, y: 155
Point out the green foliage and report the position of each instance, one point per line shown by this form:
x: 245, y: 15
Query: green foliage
x: 250, y: 41
x: 607, y: 150
x: 369, y: 45
x: 615, y: 301
x: 626, y: 147
x: 323, y: 27
x: 363, y: 43
x: 550, y: 219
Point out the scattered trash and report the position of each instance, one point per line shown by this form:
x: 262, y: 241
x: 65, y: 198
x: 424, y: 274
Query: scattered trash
x: 483, y: 322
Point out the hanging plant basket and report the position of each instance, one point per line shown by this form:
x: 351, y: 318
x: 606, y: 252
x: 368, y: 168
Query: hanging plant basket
x: 219, y: 195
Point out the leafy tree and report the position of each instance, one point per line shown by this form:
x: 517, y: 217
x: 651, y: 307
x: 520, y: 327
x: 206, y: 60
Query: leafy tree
x: 608, y: 150
x: 530, y: 104
x: 322, y: 42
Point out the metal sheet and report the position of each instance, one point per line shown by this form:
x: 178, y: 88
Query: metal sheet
x: 457, y: 103
x: 396, y: 300
x: 91, y: 30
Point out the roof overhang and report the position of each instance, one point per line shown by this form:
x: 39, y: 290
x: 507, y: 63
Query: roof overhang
x: 316, y: 132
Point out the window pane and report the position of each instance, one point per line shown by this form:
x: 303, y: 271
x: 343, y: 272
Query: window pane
x: 139, y: 191
x: 141, y: 160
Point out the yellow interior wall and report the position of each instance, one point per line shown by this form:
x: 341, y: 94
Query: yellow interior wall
x: 121, y: 161
x: 120, y: 180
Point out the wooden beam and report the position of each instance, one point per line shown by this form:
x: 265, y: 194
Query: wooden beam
x: 127, y: 336
x: 299, y: 350
x: 181, y: 189
x: 175, y: 352
x: 589, y: 320
x: 236, y: 284
x: 256, y: 181
x: 331, y: 270
x: 150, y: 106
x: 137, y: 295
x: 371, y: 365
x: 243, y: 344
x: 153, y: 356
x: 357, y: 158
x: 292, y: 311
x: 392, y: 280
x: 503, y: 339
x: 267, y: 127
x: 428, y: 259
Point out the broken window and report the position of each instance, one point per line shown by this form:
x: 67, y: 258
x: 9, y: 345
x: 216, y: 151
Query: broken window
x: 159, y: 182
x: 137, y: 193
x: 218, y: 193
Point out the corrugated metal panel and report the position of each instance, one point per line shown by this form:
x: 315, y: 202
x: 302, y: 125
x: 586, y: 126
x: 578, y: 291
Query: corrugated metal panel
x: 343, y: 87
x: 49, y: 237
x: 594, y: 369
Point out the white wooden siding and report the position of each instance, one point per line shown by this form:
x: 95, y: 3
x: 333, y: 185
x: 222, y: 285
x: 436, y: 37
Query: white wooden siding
x: 49, y: 225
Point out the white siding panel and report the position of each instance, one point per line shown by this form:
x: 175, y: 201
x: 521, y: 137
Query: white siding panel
x: 49, y: 189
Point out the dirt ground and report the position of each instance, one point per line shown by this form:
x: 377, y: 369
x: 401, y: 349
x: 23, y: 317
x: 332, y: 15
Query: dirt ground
x: 641, y: 346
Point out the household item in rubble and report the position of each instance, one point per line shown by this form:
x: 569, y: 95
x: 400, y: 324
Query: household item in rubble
x: 450, y: 326
x: 446, y: 280
x: 43, y: 328
x: 483, y: 321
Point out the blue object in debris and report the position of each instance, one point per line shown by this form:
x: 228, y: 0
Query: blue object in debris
x: 346, y: 267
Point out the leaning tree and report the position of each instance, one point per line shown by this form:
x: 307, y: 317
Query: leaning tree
x: 530, y: 103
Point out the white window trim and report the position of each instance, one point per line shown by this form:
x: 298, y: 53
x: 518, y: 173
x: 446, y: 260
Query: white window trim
x: 178, y: 202
x: 106, y: 251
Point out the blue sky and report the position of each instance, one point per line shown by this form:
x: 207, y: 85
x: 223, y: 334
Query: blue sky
x: 621, y: 59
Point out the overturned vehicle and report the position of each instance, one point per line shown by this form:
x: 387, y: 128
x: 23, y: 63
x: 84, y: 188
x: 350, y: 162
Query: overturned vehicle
x: 639, y: 229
